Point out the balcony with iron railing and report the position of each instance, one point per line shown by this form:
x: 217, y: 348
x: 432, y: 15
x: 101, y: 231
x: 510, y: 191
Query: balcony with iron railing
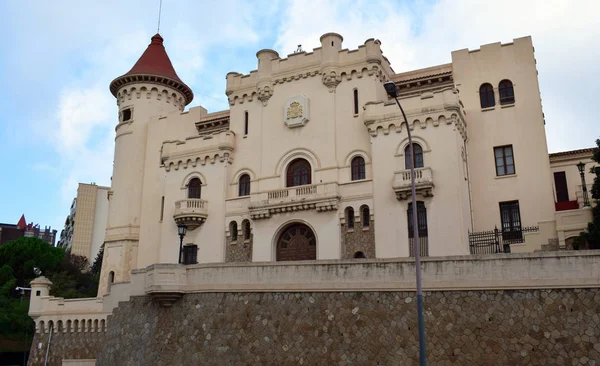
x: 191, y: 212
x: 423, y: 183
x: 320, y: 197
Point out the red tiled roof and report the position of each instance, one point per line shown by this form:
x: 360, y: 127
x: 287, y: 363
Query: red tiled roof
x: 153, y: 66
x: 589, y: 150
x: 22, y: 223
x: 155, y: 61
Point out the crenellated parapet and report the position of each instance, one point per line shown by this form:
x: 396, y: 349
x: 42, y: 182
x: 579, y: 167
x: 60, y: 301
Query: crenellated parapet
x: 150, y: 91
x: 332, y: 63
x: 205, y: 149
x: 432, y: 109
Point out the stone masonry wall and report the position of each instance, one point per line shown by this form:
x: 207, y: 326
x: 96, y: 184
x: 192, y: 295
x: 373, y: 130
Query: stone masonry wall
x: 520, y: 327
x: 77, y: 345
x: 358, y: 239
x: 239, y: 250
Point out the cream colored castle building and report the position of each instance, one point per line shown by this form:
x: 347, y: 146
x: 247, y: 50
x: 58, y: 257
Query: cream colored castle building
x: 310, y: 160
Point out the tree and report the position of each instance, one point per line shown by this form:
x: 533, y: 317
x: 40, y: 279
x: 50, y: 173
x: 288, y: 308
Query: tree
x: 18, y: 258
x: 591, y: 237
x: 97, y: 266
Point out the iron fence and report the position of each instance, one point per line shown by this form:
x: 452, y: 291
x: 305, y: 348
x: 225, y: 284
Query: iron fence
x: 497, y: 241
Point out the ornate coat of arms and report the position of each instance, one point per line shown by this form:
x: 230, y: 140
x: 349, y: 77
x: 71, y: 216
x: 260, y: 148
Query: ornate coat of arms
x: 295, y: 111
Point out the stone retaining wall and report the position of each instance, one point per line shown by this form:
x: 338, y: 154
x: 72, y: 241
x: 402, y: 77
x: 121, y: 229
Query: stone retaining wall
x: 77, y: 345
x: 533, y: 327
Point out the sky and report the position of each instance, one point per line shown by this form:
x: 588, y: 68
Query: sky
x: 57, y: 115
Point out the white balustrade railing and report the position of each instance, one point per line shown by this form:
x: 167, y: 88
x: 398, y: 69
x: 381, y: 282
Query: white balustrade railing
x: 298, y: 192
x: 191, y: 204
x: 422, y: 175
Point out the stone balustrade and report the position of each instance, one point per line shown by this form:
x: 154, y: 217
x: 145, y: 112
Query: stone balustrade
x: 423, y: 183
x: 320, y: 197
x: 191, y: 212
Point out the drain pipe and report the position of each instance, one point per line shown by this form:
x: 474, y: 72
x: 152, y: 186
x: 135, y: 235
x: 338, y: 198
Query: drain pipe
x: 49, y: 339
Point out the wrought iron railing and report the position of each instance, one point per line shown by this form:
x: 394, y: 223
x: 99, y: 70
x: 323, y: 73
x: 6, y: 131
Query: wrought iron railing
x: 423, y: 246
x: 497, y: 241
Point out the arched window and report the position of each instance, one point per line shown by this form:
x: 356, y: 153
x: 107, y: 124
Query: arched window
x: 355, y: 101
x: 233, y: 230
x: 246, y: 229
x: 358, y: 168
x: 359, y: 255
x: 298, y: 173
x: 194, y: 188
x: 350, y: 217
x: 418, y: 160
x: 245, y: 123
x: 486, y: 95
x: 365, y: 214
x: 111, y: 280
x: 507, y: 93
x: 244, y: 185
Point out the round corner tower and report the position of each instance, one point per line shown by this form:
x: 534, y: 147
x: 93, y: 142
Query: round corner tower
x: 149, y: 90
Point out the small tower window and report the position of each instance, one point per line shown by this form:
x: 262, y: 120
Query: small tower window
x: 246, y: 229
x: 366, y: 216
x: 126, y: 114
x: 350, y: 217
x: 233, y: 230
x: 355, y: 101
x: 245, y: 123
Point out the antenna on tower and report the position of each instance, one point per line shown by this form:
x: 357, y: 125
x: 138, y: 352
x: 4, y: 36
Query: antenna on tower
x: 159, y: 11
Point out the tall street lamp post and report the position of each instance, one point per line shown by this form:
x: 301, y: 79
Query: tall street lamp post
x: 181, y: 229
x: 390, y: 88
x: 581, y: 167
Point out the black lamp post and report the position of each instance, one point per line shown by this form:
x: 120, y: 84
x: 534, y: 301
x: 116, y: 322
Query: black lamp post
x: 581, y: 167
x: 390, y: 88
x: 181, y: 229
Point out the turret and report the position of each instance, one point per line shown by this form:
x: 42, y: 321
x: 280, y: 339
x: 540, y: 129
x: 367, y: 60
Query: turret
x: 331, y: 45
x: 149, y: 90
x: 40, y: 287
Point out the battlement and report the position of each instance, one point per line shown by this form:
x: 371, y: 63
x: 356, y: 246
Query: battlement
x: 198, y: 150
x: 329, y: 60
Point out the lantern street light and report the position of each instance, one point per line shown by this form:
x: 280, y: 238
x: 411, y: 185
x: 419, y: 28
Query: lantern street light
x: 581, y: 167
x: 390, y: 88
x: 181, y: 229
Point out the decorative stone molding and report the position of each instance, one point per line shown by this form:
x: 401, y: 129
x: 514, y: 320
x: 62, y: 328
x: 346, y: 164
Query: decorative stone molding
x: 149, y: 91
x: 196, y: 150
x: 265, y: 92
x: 331, y: 79
x: 384, y: 117
x: 302, y: 75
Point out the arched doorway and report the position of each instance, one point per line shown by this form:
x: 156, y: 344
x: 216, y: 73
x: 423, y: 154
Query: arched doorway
x: 297, y: 242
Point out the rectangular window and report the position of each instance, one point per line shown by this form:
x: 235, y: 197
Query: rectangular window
x: 510, y: 216
x: 162, y: 208
x: 505, y: 162
x: 560, y: 183
x: 126, y: 114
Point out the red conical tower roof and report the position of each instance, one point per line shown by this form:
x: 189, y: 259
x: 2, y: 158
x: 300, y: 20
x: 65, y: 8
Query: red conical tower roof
x: 154, y: 66
x: 22, y: 224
